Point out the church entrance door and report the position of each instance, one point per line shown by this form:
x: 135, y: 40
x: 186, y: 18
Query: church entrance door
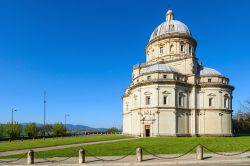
x: 147, y: 130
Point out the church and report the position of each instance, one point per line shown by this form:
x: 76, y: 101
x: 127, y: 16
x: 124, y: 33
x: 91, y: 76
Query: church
x: 172, y: 94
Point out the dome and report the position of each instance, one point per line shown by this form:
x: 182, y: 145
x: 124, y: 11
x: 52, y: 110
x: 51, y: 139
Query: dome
x: 208, y: 71
x: 157, y: 68
x: 170, y: 26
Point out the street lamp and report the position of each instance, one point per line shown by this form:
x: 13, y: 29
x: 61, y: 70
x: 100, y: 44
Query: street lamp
x: 65, y: 120
x: 12, y: 121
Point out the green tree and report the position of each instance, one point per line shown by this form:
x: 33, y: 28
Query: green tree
x: 112, y: 130
x: 45, y: 130
x: 31, y: 129
x: 13, y: 130
x: 1, y: 130
x: 58, y: 129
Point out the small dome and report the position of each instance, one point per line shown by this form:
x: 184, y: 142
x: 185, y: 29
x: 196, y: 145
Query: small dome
x: 157, y: 68
x: 208, y: 71
x: 170, y: 26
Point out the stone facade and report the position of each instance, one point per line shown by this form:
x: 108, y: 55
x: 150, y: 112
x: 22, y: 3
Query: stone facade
x: 172, y: 94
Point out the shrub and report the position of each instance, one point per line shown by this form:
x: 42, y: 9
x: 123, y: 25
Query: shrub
x: 1, y: 130
x: 31, y: 129
x: 13, y: 130
x: 112, y: 130
x: 58, y: 129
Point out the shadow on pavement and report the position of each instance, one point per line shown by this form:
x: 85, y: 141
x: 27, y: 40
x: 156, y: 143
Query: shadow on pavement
x: 208, y: 157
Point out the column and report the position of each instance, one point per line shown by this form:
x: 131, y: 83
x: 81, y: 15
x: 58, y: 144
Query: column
x: 175, y: 106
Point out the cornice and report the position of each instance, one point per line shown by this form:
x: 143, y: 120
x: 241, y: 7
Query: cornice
x: 176, y: 82
x: 215, y: 85
x: 172, y: 35
x: 178, y: 109
x: 144, y: 65
x: 160, y: 81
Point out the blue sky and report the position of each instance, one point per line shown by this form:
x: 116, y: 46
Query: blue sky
x: 82, y: 52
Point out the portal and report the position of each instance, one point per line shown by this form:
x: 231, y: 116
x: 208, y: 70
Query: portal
x: 147, y: 130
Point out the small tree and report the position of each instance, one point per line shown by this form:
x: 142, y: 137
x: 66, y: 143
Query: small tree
x: 13, y: 130
x: 112, y: 130
x: 58, y: 129
x: 1, y: 130
x: 45, y: 130
x: 31, y: 129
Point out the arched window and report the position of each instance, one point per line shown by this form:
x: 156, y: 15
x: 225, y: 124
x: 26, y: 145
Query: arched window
x: 181, y: 99
x: 171, y: 48
x: 161, y: 50
x: 226, y: 101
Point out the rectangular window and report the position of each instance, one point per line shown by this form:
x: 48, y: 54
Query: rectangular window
x: 209, y: 80
x: 180, y: 101
x: 149, y: 77
x: 182, y: 48
x: 165, y: 100
x: 161, y: 50
x: 190, y: 49
x: 210, y: 102
x: 226, y: 104
x: 164, y: 76
x: 147, y: 100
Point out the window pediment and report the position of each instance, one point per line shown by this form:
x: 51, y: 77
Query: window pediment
x: 181, y: 94
x: 147, y: 93
x: 166, y: 92
x: 211, y: 94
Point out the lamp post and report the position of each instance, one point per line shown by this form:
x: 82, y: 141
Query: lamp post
x: 44, y: 114
x: 65, y: 121
x: 12, y: 121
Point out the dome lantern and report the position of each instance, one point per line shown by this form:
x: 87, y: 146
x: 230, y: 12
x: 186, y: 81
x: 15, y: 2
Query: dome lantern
x: 170, y: 27
x: 169, y: 15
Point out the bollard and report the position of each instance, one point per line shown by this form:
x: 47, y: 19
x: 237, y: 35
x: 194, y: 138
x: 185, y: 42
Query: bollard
x: 81, y: 156
x: 139, y: 154
x: 199, y: 152
x: 30, y: 159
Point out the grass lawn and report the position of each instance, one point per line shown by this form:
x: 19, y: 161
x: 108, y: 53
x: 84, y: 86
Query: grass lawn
x: 27, y: 144
x: 162, y: 145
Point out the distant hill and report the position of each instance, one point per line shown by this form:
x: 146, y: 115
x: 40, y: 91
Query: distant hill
x: 77, y: 128
x: 84, y: 128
